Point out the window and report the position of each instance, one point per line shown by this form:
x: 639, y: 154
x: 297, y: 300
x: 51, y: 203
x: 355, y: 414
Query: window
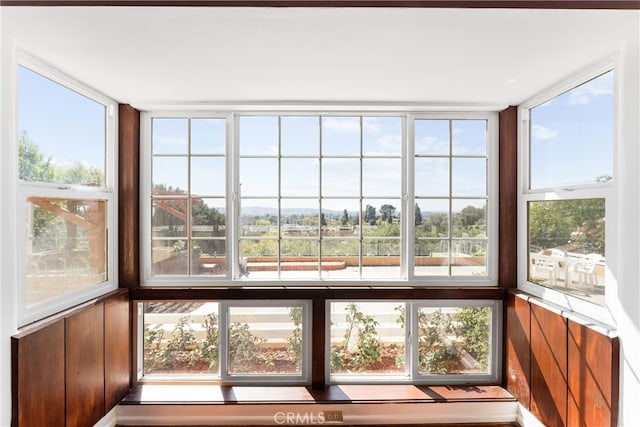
x: 65, y: 181
x: 368, y: 341
x: 569, y: 183
x: 231, y: 341
x: 188, y: 197
x: 243, y: 197
x: 451, y: 197
x: 416, y: 341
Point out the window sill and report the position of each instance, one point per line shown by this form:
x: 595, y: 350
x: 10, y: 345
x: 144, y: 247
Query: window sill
x: 183, y: 394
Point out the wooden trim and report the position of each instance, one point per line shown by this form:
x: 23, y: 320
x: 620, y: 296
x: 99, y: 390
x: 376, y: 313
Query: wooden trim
x: 459, y: 4
x: 508, y: 198
x: 128, y: 196
x: 318, y: 344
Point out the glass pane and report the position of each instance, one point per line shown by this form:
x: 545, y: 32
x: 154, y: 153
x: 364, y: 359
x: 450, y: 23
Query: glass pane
x: 170, y: 175
x: 209, y: 218
x: 340, y: 177
x: 66, y: 247
x: 208, y: 176
x: 572, y: 136
x: 61, y: 134
x: 265, y: 340
x: 259, y: 177
x: 300, y: 136
x: 367, y: 338
x: 208, y: 136
x: 180, y: 338
x: 168, y: 217
x: 567, y: 246
x: 340, y: 258
x: 299, y: 217
x: 469, y: 177
x: 431, y: 218
x: 258, y: 135
x: 381, y: 177
x: 340, y: 217
x: 382, y: 136
x: 169, y: 136
x: 432, y: 177
x: 340, y: 136
x: 169, y: 257
x: 300, y: 177
x: 432, y: 137
x: 454, y: 340
x: 469, y: 137
x: 431, y: 257
x: 209, y: 257
x: 299, y: 258
x: 259, y: 217
x: 381, y: 258
x: 381, y: 217
x: 469, y: 218
x: 469, y: 257
x: 259, y: 258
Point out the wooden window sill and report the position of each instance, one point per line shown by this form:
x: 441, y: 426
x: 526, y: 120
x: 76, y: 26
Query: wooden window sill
x: 183, y: 394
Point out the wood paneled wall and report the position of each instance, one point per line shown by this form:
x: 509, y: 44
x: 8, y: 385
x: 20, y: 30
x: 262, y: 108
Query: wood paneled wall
x: 73, y: 368
x: 566, y: 373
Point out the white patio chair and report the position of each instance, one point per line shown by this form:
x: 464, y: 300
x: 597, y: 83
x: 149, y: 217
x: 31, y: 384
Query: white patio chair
x: 586, y: 270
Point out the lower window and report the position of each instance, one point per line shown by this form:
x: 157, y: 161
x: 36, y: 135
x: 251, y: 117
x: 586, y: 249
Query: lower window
x: 567, y: 246
x: 230, y: 341
x: 416, y: 341
x: 368, y: 341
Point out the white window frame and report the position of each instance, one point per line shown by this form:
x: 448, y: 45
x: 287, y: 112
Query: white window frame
x: 605, y: 190
x: 412, y: 340
x: 146, y: 120
x: 81, y: 192
x: 232, y: 276
x: 491, y: 278
x: 223, y: 348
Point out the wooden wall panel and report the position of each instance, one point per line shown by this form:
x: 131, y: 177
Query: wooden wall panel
x: 128, y: 196
x: 38, y: 375
x: 117, y: 347
x: 593, y: 377
x: 548, y: 366
x: 508, y: 198
x: 85, y: 366
x: 518, y: 349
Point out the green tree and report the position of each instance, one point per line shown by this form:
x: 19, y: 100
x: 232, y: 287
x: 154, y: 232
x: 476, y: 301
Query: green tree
x: 474, y: 327
x: 370, y: 215
x: 345, y: 218
x: 32, y: 164
x: 387, y: 213
x: 417, y: 215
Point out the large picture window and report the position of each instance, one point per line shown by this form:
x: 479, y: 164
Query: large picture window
x: 66, y: 173
x: 262, y: 198
x: 568, y: 188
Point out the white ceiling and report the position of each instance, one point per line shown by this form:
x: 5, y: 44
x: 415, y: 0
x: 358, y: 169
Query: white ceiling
x: 152, y: 57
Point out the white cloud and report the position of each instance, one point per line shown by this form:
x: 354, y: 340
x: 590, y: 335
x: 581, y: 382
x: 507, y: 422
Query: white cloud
x: 349, y: 124
x: 432, y: 144
x: 543, y: 133
x: 585, y: 93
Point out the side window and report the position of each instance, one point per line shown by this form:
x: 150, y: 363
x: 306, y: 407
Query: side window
x: 188, y: 196
x: 65, y: 175
x: 570, y: 176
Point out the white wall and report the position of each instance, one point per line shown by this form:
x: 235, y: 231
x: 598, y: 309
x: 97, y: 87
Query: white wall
x: 625, y: 303
x: 8, y: 318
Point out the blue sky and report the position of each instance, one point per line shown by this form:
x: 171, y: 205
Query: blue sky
x: 67, y: 126
x: 341, y: 164
x: 572, y: 135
